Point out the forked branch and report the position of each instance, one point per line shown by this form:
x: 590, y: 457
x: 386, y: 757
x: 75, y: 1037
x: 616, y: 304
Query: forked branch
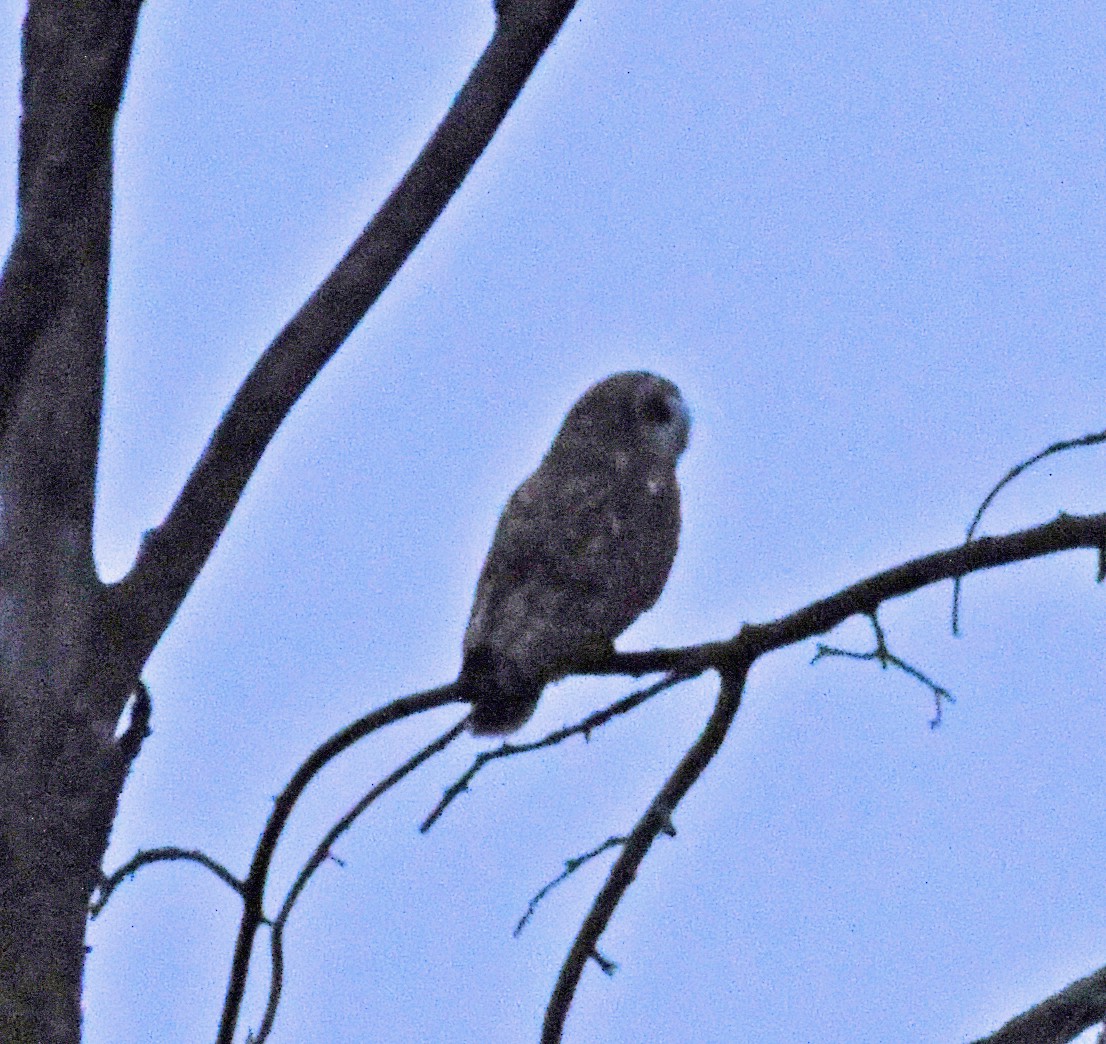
x: 253, y: 889
x: 173, y: 554
x: 323, y: 851
x: 733, y: 659
x: 656, y: 821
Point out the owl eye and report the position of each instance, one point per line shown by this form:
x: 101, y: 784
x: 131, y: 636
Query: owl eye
x: 656, y: 410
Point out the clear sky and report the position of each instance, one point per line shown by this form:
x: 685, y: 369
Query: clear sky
x: 868, y: 244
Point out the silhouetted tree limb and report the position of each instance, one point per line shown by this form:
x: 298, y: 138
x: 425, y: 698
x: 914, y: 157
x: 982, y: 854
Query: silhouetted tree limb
x: 656, y: 820
x: 62, y: 686
x: 571, y: 866
x: 1059, y: 1018
x: 882, y: 655
x: 582, y: 728
x: 149, y: 856
x: 253, y: 891
x: 322, y: 852
x: 1063, y: 446
x: 173, y: 554
x: 732, y: 660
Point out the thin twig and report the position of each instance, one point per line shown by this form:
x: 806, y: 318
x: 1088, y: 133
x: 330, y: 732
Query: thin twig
x: 606, y: 965
x: 582, y: 728
x: 146, y: 857
x: 571, y: 866
x: 885, y: 658
x: 1013, y: 473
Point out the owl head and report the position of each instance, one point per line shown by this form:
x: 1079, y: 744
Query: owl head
x: 636, y: 413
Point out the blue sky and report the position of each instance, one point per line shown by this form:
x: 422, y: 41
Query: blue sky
x: 868, y: 245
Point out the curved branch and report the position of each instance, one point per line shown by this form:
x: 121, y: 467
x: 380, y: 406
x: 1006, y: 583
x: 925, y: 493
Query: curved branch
x: 146, y: 857
x: 319, y: 856
x: 1049, y: 451
x: 253, y: 891
x: 173, y: 554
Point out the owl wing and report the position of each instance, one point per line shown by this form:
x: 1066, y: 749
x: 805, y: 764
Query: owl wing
x: 579, y: 553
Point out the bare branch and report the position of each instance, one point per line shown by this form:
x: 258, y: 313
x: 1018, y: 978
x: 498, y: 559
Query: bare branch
x: 656, y: 820
x: 254, y: 885
x: 174, y: 553
x: 731, y: 658
x: 1064, y: 533
x: 320, y: 855
x: 571, y: 866
x: 582, y: 728
x: 146, y: 857
x: 882, y: 655
x: 1059, y: 1018
x: 734, y: 658
x: 1013, y: 473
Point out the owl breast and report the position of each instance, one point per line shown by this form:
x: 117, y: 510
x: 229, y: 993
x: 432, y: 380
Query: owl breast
x: 582, y: 549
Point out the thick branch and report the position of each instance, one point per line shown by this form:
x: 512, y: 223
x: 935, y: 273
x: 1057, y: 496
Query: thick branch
x: 1059, y: 1018
x: 173, y: 554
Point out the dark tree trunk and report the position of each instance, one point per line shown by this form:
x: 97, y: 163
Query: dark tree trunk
x: 62, y: 685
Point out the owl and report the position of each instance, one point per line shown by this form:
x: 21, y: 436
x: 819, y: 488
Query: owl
x: 581, y: 550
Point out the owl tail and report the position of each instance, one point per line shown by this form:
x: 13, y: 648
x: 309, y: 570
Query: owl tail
x: 503, y: 698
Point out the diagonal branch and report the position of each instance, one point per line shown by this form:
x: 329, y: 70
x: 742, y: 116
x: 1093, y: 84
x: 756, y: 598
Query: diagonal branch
x: 581, y: 728
x: 1059, y: 1018
x: 733, y: 659
x: 319, y: 856
x: 656, y: 820
x: 174, y: 553
x: 1063, y: 533
x: 571, y: 866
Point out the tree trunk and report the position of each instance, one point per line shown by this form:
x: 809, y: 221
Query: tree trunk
x: 63, y: 680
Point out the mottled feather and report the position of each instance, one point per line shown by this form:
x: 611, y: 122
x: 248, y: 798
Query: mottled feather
x: 583, y: 547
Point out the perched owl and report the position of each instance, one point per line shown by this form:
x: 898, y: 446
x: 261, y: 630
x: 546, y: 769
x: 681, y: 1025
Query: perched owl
x: 582, y: 548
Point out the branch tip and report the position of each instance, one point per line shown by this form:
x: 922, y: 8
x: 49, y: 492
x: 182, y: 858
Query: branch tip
x: 606, y: 965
